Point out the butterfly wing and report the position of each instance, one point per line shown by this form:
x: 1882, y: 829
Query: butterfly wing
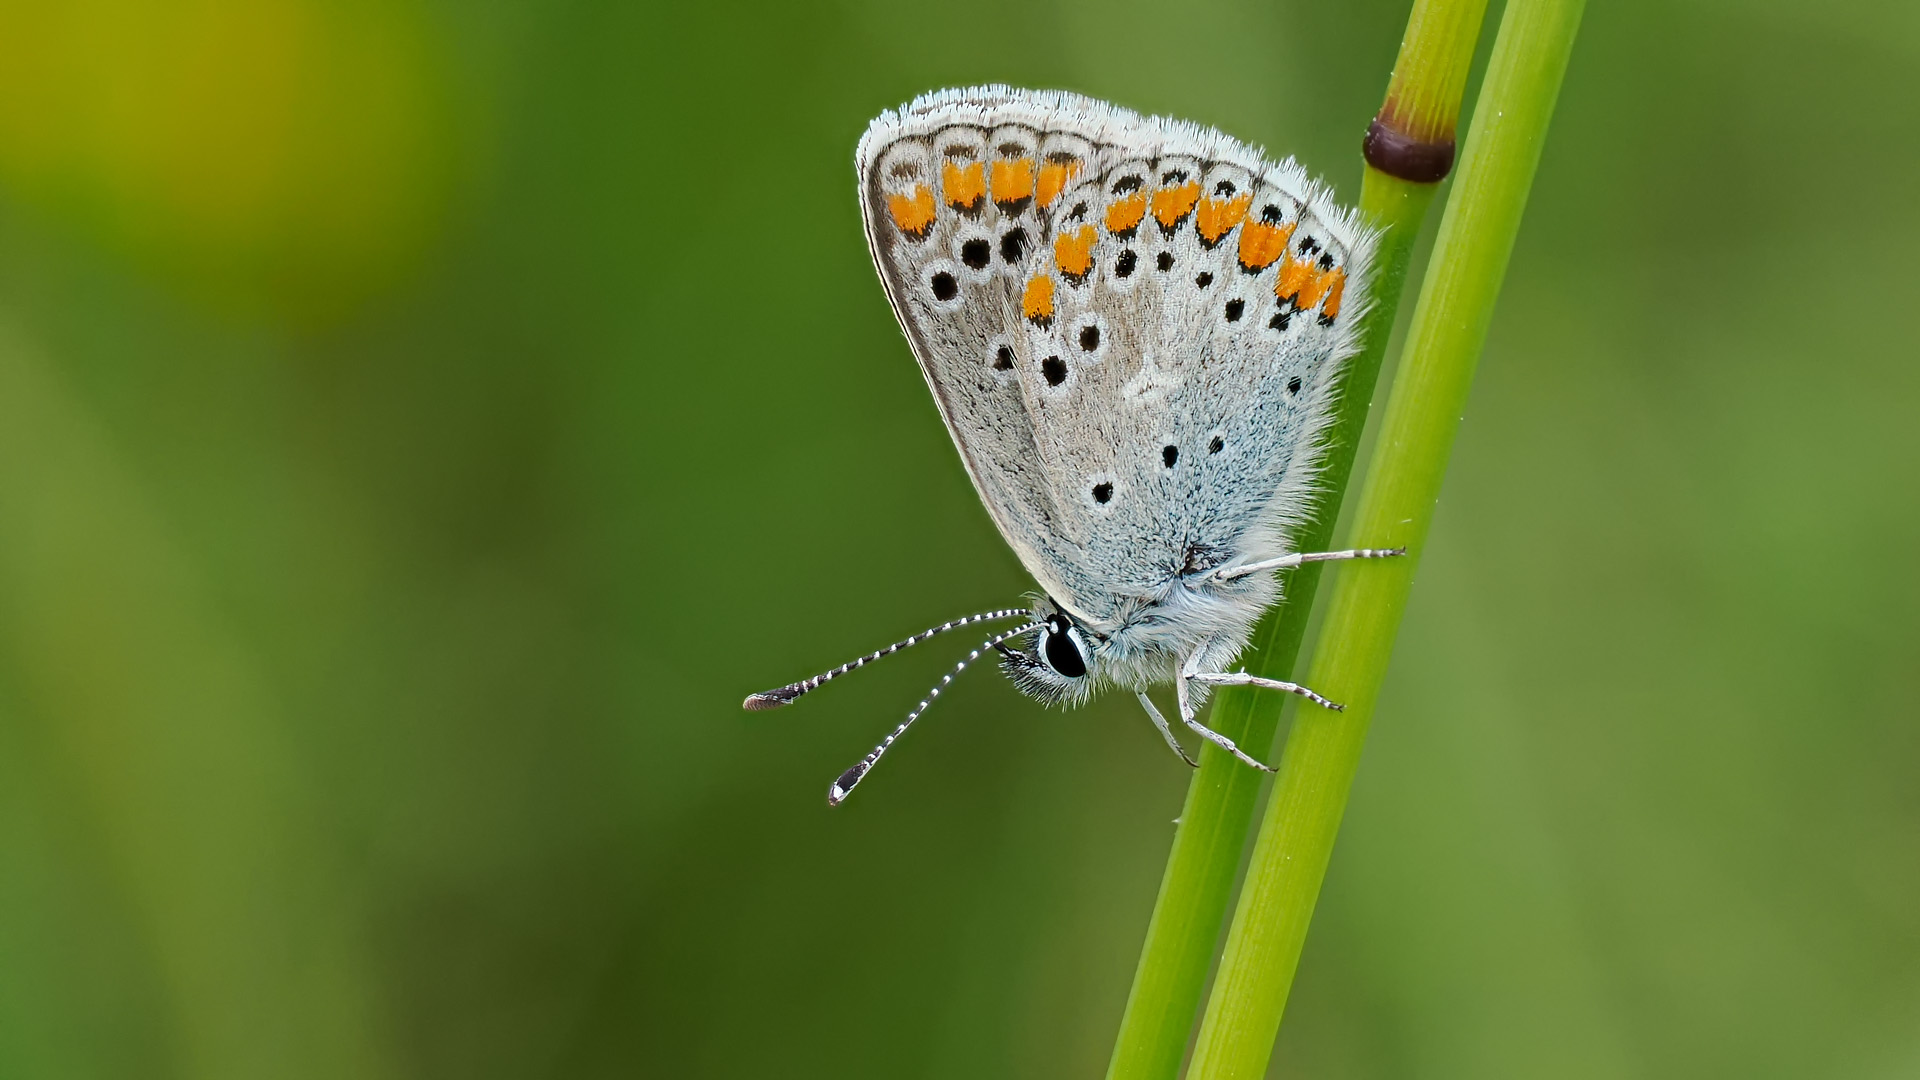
x: 1130, y: 326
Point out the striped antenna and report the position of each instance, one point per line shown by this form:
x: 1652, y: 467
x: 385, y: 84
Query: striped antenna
x: 785, y: 695
x: 844, y: 786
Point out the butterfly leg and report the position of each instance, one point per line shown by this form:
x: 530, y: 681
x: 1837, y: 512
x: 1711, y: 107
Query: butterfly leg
x: 1165, y: 731
x: 1288, y: 562
x: 1241, y: 678
x: 1207, y: 733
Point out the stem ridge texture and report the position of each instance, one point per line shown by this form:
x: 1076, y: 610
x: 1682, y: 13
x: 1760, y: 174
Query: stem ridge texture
x: 1396, y: 505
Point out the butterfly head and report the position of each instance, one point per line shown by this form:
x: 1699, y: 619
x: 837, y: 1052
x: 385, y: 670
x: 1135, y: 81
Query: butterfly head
x: 1059, y: 660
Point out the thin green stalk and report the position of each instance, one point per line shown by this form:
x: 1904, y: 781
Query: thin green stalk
x: 1422, y: 102
x: 1396, y: 507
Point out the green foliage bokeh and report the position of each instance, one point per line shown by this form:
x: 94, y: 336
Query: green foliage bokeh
x: 421, y: 425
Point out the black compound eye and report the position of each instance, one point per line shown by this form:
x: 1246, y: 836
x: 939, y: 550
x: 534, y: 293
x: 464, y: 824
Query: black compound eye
x: 1060, y: 651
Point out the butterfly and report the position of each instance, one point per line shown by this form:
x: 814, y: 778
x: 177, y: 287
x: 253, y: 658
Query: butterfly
x: 1133, y: 328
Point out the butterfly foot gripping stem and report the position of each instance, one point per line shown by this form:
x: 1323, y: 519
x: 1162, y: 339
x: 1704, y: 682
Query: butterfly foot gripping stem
x: 1160, y: 723
x: 1207, y: 733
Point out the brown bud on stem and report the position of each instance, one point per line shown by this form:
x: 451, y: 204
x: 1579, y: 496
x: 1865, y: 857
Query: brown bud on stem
x: 1407, y: 157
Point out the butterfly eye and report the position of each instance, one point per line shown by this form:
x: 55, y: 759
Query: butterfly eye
x: 1060, y: 647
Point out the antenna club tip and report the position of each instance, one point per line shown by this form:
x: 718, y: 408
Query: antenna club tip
x: 843, y: 787
x: 769, y: 699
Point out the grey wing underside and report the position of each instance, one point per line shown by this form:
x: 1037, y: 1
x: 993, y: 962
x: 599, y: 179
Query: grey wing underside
x: 1158, y: 414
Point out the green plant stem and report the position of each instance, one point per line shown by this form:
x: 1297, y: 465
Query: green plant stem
x: 1430, y: 74
x: 1218, y: 812
x: 1198, y: 881
x: 1396, y: 507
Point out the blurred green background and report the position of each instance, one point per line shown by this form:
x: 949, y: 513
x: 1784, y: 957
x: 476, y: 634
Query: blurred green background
x: 420, y: 424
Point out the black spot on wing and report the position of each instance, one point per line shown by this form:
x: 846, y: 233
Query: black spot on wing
x: 1013, y: 246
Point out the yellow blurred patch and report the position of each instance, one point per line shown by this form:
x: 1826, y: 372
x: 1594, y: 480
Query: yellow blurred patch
x: 290, y: 155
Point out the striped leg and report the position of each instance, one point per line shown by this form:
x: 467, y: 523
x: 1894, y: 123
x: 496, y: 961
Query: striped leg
x: 1207, y: 733
x: 1241, y: 678
x: 1165, y: 731
x: 1288, y: 562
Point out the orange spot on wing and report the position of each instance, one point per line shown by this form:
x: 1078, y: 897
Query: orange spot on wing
x: 1054, y: 176
x: 963, y: 184
x: 1217, y: 217
x: 1294, y: 276
x: 1037, y: 302
x: 913, y: 213
x: 1261, y: 243
x: 1172, y: 205
x: 1306, y: 285
x: 1332, y: 310
x: 1073, y: 251
x: 1124, y: 215
x: 1012, y: 180
x: 1317, y: 288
